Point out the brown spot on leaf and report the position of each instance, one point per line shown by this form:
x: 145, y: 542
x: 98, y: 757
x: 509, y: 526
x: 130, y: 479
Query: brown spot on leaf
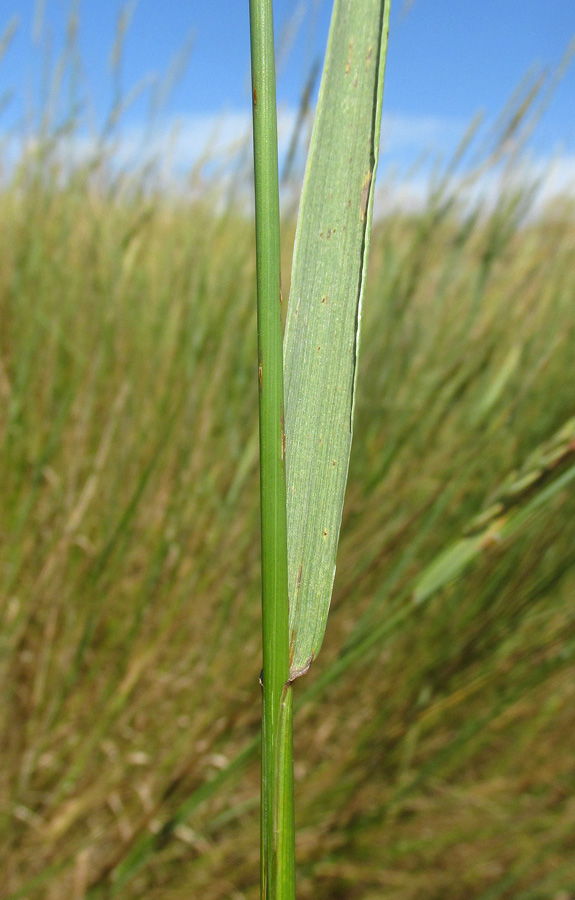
x: 349, y: 56
x: 364, y: 196
x: 291, y: 647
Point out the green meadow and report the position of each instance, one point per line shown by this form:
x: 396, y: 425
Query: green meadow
x: 434, y: 734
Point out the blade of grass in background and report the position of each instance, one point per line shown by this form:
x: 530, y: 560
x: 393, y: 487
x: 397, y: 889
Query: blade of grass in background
x: 322, y: 330
x: 521, y: 495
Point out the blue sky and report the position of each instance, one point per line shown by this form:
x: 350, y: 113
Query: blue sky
x: 448, y: 59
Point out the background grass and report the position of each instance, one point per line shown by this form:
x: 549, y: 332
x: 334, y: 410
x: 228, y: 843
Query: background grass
x: 433, y: 742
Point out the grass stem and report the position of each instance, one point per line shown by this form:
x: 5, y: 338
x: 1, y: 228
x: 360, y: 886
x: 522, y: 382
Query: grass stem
x: 277, y: 819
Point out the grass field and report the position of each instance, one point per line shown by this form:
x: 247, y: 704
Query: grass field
x: 434, y: 739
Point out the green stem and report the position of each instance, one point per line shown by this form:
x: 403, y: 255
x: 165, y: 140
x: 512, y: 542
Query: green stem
x: 277, y: 823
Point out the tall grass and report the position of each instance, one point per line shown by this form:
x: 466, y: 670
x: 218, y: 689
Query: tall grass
x: 439, y: 761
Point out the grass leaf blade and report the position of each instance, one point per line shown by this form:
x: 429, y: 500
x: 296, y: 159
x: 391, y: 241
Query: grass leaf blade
x: 322, y: 330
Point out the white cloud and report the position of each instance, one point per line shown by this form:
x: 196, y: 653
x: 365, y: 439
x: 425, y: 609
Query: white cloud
x: 421, y: 134
x: 413, y: 150
x: 181, y: 143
